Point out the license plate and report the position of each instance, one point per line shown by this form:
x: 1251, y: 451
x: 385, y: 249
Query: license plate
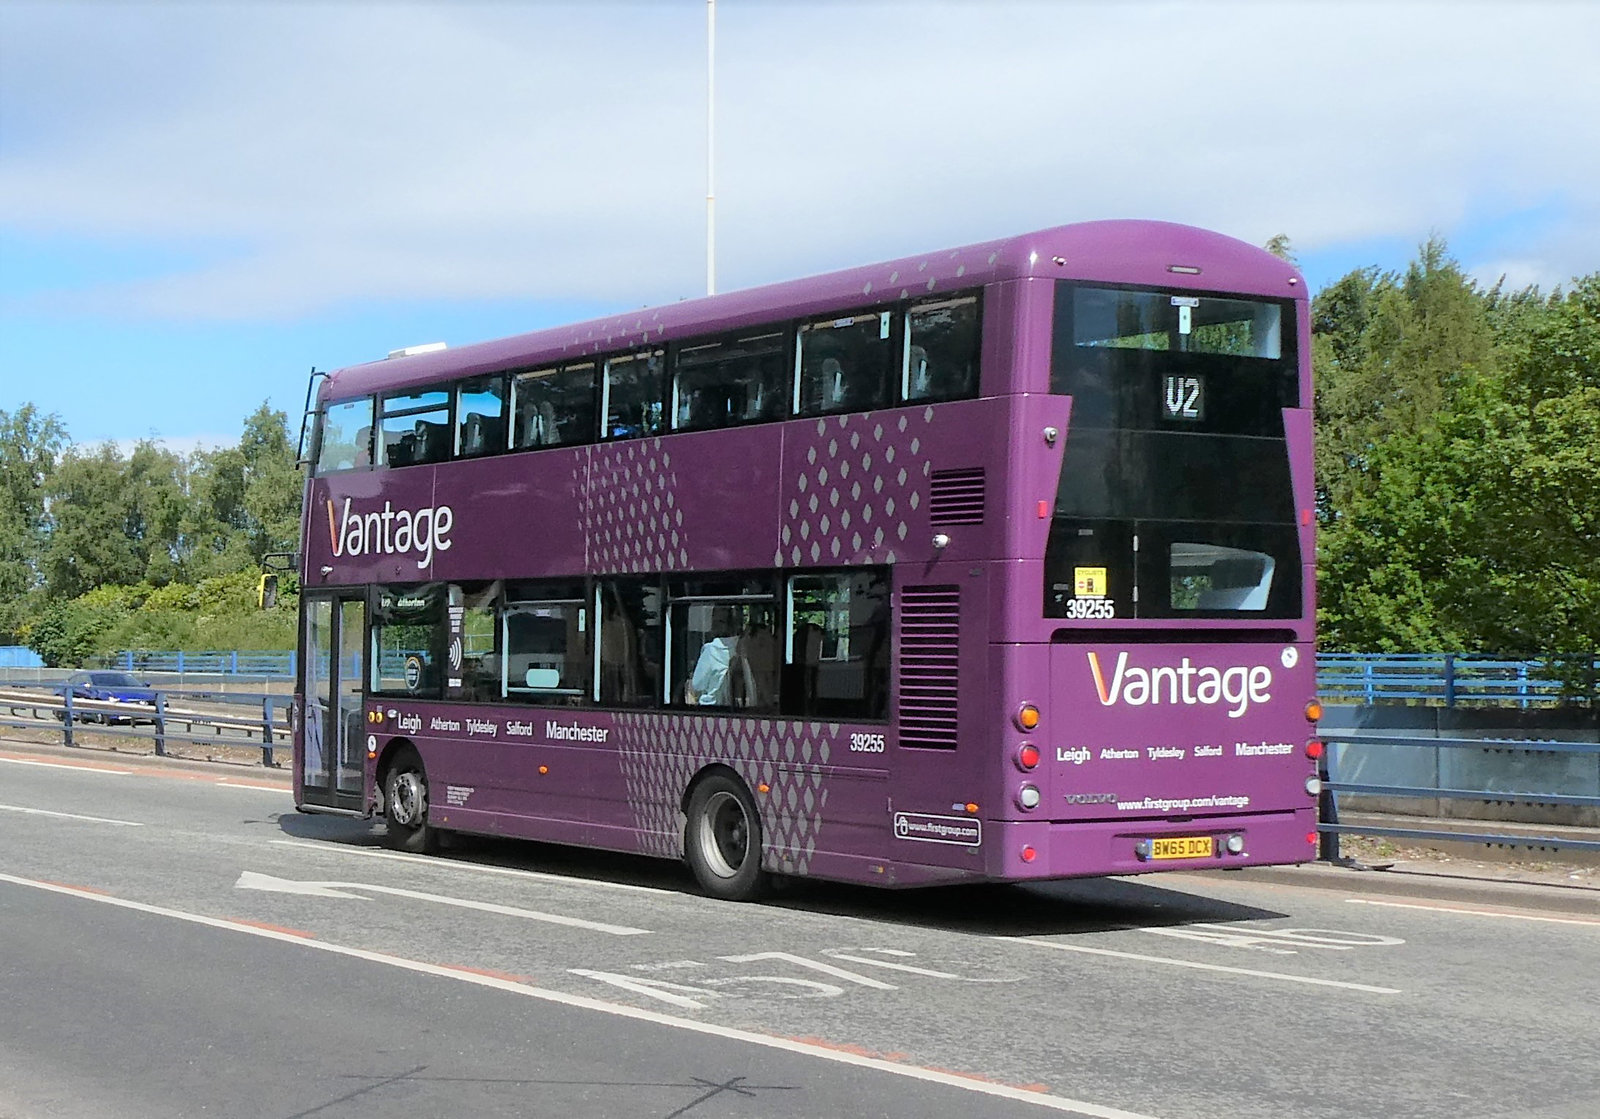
x: 1181, y: 847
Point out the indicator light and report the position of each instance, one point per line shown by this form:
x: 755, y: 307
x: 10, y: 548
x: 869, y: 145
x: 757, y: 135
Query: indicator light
x: 763, y: 788
x: 1028, y: 798
x: 1314, y: 710
x: 1027, y: 756
x: 1027, y: 717
x: 972, y: 808
x: 543, y: 769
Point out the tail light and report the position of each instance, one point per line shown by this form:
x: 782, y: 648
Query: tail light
x: 1027, y: 757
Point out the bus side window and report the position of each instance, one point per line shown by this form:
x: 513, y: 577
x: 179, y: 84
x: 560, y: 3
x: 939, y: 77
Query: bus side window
x: 547, y: 635
x: 724, y: 646
x: 415, y: 427
x: 632, y: 394
x: 631, y: 622
x: 408, y: 641
x: 736, y: 379
x: 480, y: 416
x: 843, y: 364
x: 941, y: 351
x: 555, y: 406
x: 836, y: 653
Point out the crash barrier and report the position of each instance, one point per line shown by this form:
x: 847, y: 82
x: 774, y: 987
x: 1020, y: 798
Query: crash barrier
x: 1450, y: 679
x: 173, y: 716
x: 1494, y: 780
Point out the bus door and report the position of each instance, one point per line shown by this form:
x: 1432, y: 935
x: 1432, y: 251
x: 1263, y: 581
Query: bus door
x: 334, y: 670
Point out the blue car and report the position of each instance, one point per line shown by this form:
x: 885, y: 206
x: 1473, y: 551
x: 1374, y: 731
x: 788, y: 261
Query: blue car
x: 102, y: 685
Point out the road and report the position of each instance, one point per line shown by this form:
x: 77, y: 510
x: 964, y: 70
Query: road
x: 182, y: 944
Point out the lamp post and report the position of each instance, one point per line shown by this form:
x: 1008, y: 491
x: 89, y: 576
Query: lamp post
x: 711, y: 104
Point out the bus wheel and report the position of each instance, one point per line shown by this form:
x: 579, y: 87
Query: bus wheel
x: 405, y: 805
x: 723, y: 844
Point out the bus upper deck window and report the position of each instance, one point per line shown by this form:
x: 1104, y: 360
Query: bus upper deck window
x: 941, y: 350
x: 632, y: 394
x: 843, y: 363
x: 551, y: 407
x: 346, y: 436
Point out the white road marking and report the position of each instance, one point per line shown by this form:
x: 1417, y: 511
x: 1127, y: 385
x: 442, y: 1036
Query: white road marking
x: 1086, y: 950
x: 841, y: 954
x: 69, y: 816
x: 1475, y: 912
x: 638, y: 1014
x: 825, y: 969
x: 250, y: 880
x: 254, y: 788
x: 73, y: 768
x: 477, y: 868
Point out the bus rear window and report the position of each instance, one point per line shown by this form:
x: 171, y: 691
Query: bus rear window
x: 1182, y: 323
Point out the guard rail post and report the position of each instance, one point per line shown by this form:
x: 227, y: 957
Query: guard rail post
x: 1327, y: 809
x: 161, y: 724
x: 67, y: 718
x: 266, y: 729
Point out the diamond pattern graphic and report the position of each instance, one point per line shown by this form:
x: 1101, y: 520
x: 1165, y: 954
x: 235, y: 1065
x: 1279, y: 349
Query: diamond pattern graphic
x: 859, y: 479
x: 662, y: 753
x: 629, y: 508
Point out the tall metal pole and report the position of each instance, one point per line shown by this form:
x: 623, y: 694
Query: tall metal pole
x: 711, y: 165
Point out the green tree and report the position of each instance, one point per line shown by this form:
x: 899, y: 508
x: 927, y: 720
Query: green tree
x: 30, y: 446
x: 115, y: 520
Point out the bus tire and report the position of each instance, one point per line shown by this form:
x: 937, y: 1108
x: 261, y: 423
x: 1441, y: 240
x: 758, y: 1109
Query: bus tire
x: 405, y: 805
x: 723, y: 840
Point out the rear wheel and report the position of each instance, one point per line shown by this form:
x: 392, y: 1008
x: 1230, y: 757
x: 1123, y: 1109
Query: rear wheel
x: 723, y: 844
x: 405, y: 805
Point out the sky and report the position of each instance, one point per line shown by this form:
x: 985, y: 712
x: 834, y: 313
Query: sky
x: 202, y: 201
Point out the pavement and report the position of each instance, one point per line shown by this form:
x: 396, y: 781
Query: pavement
x: 1415, y: 871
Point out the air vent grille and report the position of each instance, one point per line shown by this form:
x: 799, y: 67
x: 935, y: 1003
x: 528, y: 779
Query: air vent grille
x: 930, y: 621
x: 956, y: 497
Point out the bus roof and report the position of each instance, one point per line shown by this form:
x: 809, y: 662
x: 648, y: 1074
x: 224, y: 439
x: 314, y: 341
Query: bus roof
x: 1157, y: 254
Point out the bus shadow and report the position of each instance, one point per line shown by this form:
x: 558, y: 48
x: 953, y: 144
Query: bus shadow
x: 1082, y: 905
x: 347, y: 830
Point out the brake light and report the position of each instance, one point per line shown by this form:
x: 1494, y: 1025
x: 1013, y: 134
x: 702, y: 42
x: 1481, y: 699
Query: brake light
x: 1027, y: 756
x: 1314, y: 748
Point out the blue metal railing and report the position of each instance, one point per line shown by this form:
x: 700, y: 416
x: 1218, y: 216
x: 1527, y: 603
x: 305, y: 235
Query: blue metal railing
x: 1449, y: 679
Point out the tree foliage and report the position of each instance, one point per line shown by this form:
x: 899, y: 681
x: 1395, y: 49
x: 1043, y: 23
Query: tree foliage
x: 1458, y: 463
x: 101, y: 549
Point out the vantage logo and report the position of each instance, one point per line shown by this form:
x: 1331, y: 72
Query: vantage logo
x: 1186, y: 684
x: 391, y: 532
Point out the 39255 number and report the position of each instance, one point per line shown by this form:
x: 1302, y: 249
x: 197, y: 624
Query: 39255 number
x: 1091, y: 608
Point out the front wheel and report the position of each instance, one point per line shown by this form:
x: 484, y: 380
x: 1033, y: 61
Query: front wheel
x: 405, y: 805
x: 723, y: 843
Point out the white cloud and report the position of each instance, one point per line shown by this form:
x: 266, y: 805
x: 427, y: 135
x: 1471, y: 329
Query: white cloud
x: 326, y: 153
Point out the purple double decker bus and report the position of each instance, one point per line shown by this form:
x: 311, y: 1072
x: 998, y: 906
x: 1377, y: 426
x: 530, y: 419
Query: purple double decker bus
x: 993, y: 563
